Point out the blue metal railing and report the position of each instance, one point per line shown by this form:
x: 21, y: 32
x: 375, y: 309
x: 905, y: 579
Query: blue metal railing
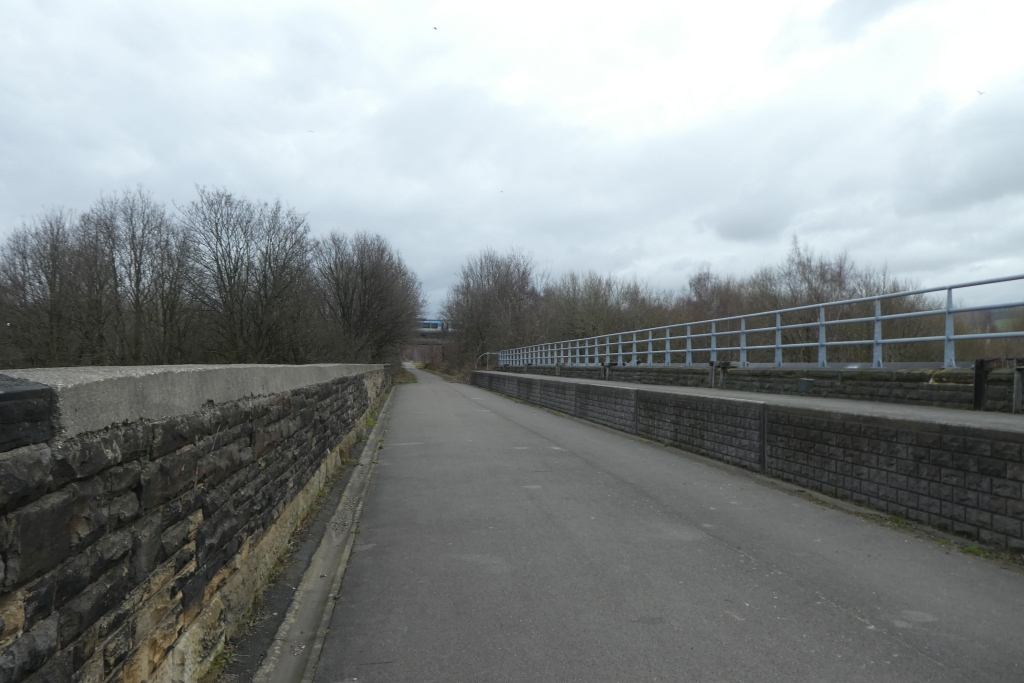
x: 616, y: 347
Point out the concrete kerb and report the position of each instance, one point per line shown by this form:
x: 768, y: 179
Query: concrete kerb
x: 295, y: 651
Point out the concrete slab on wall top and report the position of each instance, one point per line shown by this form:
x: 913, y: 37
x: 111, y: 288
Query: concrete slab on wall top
x: 92, y: 398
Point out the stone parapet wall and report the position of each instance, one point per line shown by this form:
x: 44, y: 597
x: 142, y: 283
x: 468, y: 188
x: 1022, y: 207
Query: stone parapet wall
x: 723, y: 429
x: 956, y: 478
x: 933, y: 469
x: 131, y: 552
x: 938, y: 388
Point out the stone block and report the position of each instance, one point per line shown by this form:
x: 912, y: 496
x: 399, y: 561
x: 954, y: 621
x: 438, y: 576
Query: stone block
x: 25, y: 413
x: 146, y: 545
x: 90, y: 511
x: 979, y: 518
x: 30, y: 651
x: 117, y: 648
x: 58, y: 669
x: 32, y: 553
x: 1006, y: 488
x: 75, y: 575
x: 1007, y: 526
x: 173, y: 434
x: 25, y: 474
x: 100, y: 597
x: 165, y: 478
x: 992, y: 467
x: 38, y: 599
x: 123, y: 509
x: 993, y: 504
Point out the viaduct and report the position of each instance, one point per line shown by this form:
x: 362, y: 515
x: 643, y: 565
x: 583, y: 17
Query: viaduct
x: 542, y: 523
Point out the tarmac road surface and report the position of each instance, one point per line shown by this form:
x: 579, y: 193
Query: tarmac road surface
x: 501, y: 542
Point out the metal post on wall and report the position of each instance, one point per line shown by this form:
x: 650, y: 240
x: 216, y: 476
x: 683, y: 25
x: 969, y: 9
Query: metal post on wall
x: 949, y: 352
x: 668, y: 347
x: 620, y: 350
x: 714, y: 346
x: 876, y: 348
x: 1018, y: 381
x: 822, y: 355
x: 980, y: 381
x: 778, y: 340
x: 650, y: 348
x: 743, y: 342
x: 632, y: 352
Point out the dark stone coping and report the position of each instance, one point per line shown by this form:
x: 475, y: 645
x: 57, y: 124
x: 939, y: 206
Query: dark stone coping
x: 26, y: 412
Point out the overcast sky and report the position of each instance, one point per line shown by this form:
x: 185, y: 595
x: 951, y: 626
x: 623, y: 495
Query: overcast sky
x: 635, y: 137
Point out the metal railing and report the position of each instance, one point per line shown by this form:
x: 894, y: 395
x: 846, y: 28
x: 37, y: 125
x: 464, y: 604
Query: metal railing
x: 656, y: 345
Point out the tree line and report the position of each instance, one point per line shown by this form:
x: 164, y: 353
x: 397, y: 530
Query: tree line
x: 503, y: 300
x: 222, y: 278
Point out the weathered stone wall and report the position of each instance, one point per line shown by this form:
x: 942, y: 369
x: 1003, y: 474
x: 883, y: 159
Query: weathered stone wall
x: 961, y: 479
x: 560, y: 397
x: 610, y: 406
x: 130, y: 553
x: 726, y: 430
x: 956, y: 477
x: 939, y: 388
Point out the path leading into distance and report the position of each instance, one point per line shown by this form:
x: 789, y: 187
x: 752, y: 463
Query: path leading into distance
x: 502, y: 542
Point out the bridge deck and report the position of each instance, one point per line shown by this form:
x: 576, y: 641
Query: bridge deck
x: 500, y: 542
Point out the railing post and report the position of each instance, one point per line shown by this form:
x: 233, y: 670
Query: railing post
x: 743, y: 342
x: 714, y: 348
x: 620, y: 350
x: 650, y: 348
x: 633, y: 360
x: 689, y: 348
x: 822, y: 355
x: 778, y: 340
x: 668, y: 347
x: 949, y: 352
x: 876, y: 348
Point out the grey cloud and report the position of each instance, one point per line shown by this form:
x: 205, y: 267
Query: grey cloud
x: 444, y: 172
x: 954, y: 161
x: 846, y: 19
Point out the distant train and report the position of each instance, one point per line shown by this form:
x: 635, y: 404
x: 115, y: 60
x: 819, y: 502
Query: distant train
x: 434, y: 326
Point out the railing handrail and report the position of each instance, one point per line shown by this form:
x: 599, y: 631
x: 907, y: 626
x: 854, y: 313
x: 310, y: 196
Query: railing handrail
x: 558, y: 350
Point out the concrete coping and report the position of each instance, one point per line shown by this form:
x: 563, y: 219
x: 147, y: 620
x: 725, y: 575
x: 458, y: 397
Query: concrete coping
x: 92, y: 398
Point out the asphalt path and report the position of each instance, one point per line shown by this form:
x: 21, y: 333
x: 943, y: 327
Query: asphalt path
x: 503, y: 542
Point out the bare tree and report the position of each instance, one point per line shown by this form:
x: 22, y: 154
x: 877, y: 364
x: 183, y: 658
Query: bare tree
x: 36, y: 282
x: 227, y: 279
x: 369, y: 295
x: 495, y: 303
